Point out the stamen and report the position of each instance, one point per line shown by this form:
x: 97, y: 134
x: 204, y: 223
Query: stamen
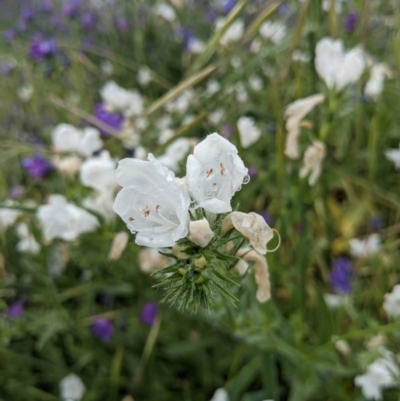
x: 222, y: 169
x: 131, y: 219
x: 209, y: 172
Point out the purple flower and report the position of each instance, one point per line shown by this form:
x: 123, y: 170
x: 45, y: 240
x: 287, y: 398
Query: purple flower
x: 341, y: 274
x: 103, y: 329
x: 7, y: 68
x: 267, y: 217
x: 210, y: 16
x: 228, y: 6
x: 122, y: 24
x: 227, y: 130
x: 283, y: 9
x: 377, y: 222
x: 37, y: 166
x: 47, y: 6
x: 16, y: 191
x: 114, y: 120
x: 149, y: 313
x: 350, y: 21
x: 10, y: 35
x: 252, y: 171
x: 16, y: 310
x: 88, y: 20
x: 41, y: 49
x: 71, y: 8
x: 28, y: 14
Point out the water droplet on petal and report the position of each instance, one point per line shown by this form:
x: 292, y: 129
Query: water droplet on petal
x: 246, y: 179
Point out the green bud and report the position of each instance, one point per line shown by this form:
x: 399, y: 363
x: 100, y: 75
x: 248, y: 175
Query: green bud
x: 200, y: 280
x: 200, y: 262
x: 182, y: 271
x: 178, y: 251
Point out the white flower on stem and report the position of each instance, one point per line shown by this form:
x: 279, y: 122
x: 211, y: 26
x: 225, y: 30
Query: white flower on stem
x: 25, y: 92
x: 165, y: 11
x: 200, y: 232
x: 98, y: 172
x: 343, y: 347
x: 374, y: 86
x: 116, y: 98
x: 261, y: 272
x: 195, y: 46
x: 150, y: 203
x: 300, y: 56
x: 241, y: 94
x: 220, y: 395
x: 175, y: 153
x: 216, y: 116
x: 118, y: 245
x: 181, y: 103
x: 256, y: 83
x: 333, y: 301
x: 326, y: 5
x: 64, y: 220
x: 101, y: 203
x: 214, y: 173
x: 275, y: 31
x: 381, y: 374
x: 234, y: 32
x: 8, y: 216
x: 294, y: 114
x: 151, y: 260
x: 72, y: 388
x: 313, y: 157
x: 391, y: 304
x: 213, y: 86
x: 253, y: 228
x: 248, y: 131
x: 394, y: 156
x: 27, y: 243
x: 366, y: 247
x: 144, y: 76
x: 69, y: 165
x: 335, y: 66
x: 67, y: 138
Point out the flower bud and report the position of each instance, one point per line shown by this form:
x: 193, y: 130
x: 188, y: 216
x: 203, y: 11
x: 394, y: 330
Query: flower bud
x: 200, y: 232
x: 200, y: 262
x: 118, y: 245
x: 178, y: 251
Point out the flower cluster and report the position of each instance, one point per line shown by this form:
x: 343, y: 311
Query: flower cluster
x: 192, y: 216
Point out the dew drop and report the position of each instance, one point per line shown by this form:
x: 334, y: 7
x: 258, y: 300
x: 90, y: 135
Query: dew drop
x: 246, y: 179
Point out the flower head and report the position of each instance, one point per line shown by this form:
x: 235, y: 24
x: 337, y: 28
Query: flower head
x: 113, y: 119
x: 340, y: 276
x: 200, y: 232
x: 37, y: 166
x: 149, y: 313
x: 392, y: 302
x: 72, y: 388
x: 150, y: 202
x: 248, y: 131
x: 103, y: 329
x: 313, y: 157
x: 214, y: 173
x: 16, y: 310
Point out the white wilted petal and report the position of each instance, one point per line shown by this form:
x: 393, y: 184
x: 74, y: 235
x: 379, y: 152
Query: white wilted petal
x: 66, y: 138
x: 101, y: 203
x: 90, y: 142
x: 150, y: 203
x: 273, y: 30
x: 234, y: 32
x: 220, y: 395
x: 248, y: 131
x: 214, y: 173
x: 98, y: 172
x: 312, y: 164
x: 391, y: 304
x: 8, y: 216
x: 366, y: 247
x: 72, y: 388
x: 118, y: 245
x: 261, y: 273
x: 200, y: 232
x: 151, y: 260
x: 69, y: 165
x: 27, y: 243
x: 252, y: 226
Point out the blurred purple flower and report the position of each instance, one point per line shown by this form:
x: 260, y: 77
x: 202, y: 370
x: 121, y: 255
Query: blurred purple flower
x: 210, y: 16
x: 103, y: 329
x: 228, y: 6
x: 16, y: 191
x: 377, y: 222
x: 10, y: 35
x: 227, y: 130
x: 16, y: 310
x: 71, y: 8
x: 267, y: 217
x: 37, y: 166
x: 114, y: 120
x: 341, y: 273
x: 122, y: 24
x: 252, y: 171
x: 21, y: 26
x: 88, y: 20
x: 40, y: 49
x: 149, y: 313
x: 28, y: 14
x: 283, y: 10
x: 47, y: 6
x: 350, y: 21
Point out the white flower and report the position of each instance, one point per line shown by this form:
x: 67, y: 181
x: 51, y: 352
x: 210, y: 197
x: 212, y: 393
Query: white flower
x: 363, y: 248
x: 248, y: 131
x: 392, y: 302
x: 116, y: 98
x: 216, y: 116
x: 64, y: 220
x: 118, y: 245
x: 101, y: 203
x: 234, y: 32
x: 69, y: 165
x: 343, y: 347
x: 261, y: 273
x: 28, y: 244
x: 374, y: 86
x: 252, y: 226
x: 333, y: 301
x: 144, y: 76
x: 313, y: 157
x: 200, y: 232
x: 394, y: 156
x: 294, y: 113
x: 150, y: 203
x: 98, y: 172
x: 25, y: 92
x: 326, y: 5
x: 165, y: 11
x: 380, y: 374
x: 196, y: 46
x: 67, y: 138
x: 214, y: 173
x: 181, y: 103
x: 107, y: 68
x: 213, y: 86
x: 151, y: 260
x: 8, y: 216
x: 175, y: 153
x: 336, y: 67
x: 165, y: 135
x: 275, y: 31
x: 220, y: 395
x: 256, y: 83
x: 300, y: 56
x: 72, y: 388
x: 241, y: 94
